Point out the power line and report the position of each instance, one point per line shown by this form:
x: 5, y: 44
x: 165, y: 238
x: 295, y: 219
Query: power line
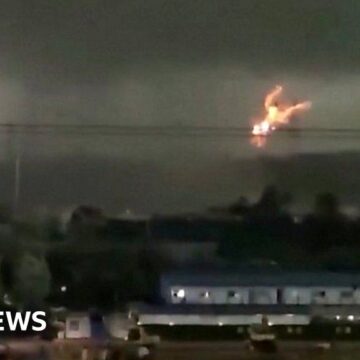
x: 151, y: 130
x: 161, y: 127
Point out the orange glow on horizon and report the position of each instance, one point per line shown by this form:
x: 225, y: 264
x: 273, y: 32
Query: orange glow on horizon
x: 276, y: 115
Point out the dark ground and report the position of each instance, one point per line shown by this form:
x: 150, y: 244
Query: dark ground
x: 66, y: 350
x: 238, y: 351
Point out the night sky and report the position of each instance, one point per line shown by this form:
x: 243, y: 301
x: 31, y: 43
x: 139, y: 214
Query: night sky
x: 173, y: 63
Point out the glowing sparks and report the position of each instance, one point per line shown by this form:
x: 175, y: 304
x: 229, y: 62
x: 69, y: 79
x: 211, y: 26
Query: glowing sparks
x: 276, y: 115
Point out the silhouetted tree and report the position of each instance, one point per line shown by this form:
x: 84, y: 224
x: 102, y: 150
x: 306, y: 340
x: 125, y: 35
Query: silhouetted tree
x: 26, y: 279
x: 272, y: 203
x: 266, y: 230
x: 86, y: 223
x: 325, y: 227
x: 240, y: 207
x: 327, y: 206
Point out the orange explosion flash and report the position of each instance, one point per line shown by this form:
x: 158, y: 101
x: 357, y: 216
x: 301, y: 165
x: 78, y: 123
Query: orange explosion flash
x: 276, y: 116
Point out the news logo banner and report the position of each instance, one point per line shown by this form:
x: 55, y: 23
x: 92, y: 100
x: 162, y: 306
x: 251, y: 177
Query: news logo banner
x: 23, y: 321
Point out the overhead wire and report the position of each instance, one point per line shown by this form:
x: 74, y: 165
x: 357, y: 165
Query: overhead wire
x: 157, y: 130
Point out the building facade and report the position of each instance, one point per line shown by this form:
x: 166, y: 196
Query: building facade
x: 270, y: 288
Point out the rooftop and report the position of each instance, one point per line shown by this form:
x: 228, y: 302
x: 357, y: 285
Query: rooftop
x: 268, y: 276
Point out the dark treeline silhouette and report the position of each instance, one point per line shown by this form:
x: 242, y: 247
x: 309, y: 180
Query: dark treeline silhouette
x: 324, y: 237
x: 107, y: 262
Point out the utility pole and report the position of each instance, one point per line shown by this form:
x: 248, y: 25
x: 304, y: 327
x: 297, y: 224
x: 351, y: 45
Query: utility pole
x: 17, y: 183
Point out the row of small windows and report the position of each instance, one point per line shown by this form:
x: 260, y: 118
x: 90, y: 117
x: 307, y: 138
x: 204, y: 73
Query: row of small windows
x: 298, y: 330
x: 180, y: 294
x: 266, y: 296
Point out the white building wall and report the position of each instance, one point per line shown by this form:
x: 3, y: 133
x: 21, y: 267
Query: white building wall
x: 319, y: 295
x: 209, y: 295
x: 221, y: 320
x: 357, y: 297
x: 264, y: 295
x: 296, y: 296
x: 77, y: 327
x: 118, y: 325
x: 347, y: 296
x: 329, y: 295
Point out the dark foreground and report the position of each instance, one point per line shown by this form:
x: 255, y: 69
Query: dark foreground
x: 232, y: 351
x: 190, y: 351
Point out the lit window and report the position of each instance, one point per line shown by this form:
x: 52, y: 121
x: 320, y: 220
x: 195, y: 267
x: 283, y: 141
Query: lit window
x: 205, y: 294
x: 74, y: 325
x: 179, y: 294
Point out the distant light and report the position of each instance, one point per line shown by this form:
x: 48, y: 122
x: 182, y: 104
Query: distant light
x: 290, y: 315
x: 351, y: 317
x: 171, y: 323
x: 7, y: 300
x: 180, y: 294
x: 297, y: 219
x: 270, y: 323
x: 337, y: 317
x: 220, y: 323
x: 63, y: 288
x: 206, y: 294
x: 139, y: 323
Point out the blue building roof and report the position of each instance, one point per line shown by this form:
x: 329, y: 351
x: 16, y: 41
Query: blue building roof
x: 264, y: 277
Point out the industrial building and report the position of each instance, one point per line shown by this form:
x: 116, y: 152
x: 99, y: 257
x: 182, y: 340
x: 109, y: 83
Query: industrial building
x: 81, y: 325
x: 261, y: 288
x: 227, y: 302
x: 200, y: 304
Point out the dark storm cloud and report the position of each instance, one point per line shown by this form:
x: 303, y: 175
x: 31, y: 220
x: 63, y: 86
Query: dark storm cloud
x: 168, y: 62
x: 94, y: 39
x: 201, y: 62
